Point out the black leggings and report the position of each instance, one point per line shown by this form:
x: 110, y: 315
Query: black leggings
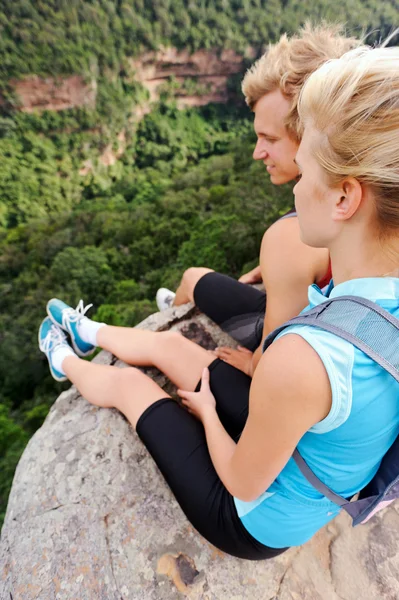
x: 238, y: 308
x: 176, y: 441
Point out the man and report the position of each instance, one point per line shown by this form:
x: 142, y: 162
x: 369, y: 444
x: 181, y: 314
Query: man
x: 287, y: 266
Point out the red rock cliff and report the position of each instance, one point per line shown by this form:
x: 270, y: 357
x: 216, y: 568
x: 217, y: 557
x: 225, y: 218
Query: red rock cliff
x: 152, y: 69
x: 35, y: 93
x: 212, y: 69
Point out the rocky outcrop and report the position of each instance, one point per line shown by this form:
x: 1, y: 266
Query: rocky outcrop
x: 35, y: 93
x: 180, y: 63
x: 91, y: 518
x: 211, y: 69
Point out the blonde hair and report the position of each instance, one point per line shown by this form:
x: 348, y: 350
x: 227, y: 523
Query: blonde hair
x: 353, y: 102
x: 287, y: 64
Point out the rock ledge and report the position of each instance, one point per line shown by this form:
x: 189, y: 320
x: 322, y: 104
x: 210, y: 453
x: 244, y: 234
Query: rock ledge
x: 91, y: 518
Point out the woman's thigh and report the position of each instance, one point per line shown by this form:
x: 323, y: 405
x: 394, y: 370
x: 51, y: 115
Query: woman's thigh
x: 177, y: 443
x: 183, y: 361
x: 231, y: 387
x: 236, y: 307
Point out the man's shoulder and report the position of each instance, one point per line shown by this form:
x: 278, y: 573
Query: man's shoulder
x: 283, y: 251
x: 287, y: 224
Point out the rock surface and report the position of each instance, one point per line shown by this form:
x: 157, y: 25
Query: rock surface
x: 91, y: 518
x: 209, y: 67
x: 37, y: 94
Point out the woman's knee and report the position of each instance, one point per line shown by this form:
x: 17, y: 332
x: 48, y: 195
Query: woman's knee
x: 190, y: 278
x: 170, y: 343
x: 125, y: 378
x: 170, y: 339
x: 135, y: 392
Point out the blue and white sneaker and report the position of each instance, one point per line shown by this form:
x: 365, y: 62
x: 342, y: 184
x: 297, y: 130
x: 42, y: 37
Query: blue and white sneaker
x: 68, y: 319
x: 50, y: 338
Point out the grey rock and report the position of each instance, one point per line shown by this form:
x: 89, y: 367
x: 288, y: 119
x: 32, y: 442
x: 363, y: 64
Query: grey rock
x: 90, y: 518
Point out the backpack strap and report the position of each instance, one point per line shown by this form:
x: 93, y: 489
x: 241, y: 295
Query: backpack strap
x: 329, y: 316
x: 342, y: 316
x: 315, y: 481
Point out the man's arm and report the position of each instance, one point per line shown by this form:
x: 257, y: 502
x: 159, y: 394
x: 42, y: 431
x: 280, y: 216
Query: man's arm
x: 288, y: 268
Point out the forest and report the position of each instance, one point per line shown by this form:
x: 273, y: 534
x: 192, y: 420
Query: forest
x: 185, y: 191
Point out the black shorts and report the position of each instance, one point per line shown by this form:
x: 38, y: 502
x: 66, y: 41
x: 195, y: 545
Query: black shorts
x: 176, y: 441
x: 238, y: 308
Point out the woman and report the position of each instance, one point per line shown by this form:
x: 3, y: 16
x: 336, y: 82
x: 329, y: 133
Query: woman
x: 343, y: 417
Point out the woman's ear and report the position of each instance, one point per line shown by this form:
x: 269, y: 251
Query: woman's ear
x: 349, y: 197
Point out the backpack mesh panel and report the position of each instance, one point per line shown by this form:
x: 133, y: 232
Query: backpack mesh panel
x: 372, y: 329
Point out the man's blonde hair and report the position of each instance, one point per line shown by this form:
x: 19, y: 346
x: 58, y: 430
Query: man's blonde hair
x: 354, y: 103
x: 287, y: 64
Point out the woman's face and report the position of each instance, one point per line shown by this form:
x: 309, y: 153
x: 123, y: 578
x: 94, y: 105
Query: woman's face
x: 314, y: 198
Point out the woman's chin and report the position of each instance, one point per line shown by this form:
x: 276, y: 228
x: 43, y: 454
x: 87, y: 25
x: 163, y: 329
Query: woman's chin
x: 310, y: 240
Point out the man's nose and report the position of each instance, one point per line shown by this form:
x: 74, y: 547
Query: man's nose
x: 260, y: 152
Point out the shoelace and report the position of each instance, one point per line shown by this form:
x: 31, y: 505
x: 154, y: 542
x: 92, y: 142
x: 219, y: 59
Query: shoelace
x: 74, y: 315
x: 55, y: 336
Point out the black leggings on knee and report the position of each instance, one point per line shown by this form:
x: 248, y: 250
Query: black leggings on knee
x: 238, y: 308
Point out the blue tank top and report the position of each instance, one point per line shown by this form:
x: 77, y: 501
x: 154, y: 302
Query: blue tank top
x: 344, y: 449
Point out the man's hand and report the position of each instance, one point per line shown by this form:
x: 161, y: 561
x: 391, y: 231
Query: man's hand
x: 199, y: 403
x: 241, y: 358
x: 253, y: 276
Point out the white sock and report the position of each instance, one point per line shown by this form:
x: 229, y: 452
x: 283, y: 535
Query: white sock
x: 87, y: 330
x: 58, y: 356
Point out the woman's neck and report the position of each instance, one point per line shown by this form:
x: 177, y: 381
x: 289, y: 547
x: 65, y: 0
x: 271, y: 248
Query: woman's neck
x: 364, y: 256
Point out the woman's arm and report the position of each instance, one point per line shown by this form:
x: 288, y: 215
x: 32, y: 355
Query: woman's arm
x: 284, y: 403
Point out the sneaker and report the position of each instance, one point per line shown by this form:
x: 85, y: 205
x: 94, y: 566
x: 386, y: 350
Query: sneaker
x: 68, y: 319
x: 50, y: 338
x: 164, y: 298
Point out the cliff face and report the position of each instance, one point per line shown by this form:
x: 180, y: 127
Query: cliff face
x: 198, y: 79
x: 153, y: 69
x: 210, y: 69
x: 35, y: 93
x: 90, y: 517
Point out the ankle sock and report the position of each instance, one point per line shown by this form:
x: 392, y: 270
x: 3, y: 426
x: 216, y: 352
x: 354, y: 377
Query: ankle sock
x: 58, y: 355
x: 88, y: 329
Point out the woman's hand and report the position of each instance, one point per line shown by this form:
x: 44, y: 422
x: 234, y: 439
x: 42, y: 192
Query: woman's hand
x: 241, y: 358
x: 202, y: 402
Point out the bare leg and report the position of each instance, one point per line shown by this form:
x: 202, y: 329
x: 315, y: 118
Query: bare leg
x: 184, y: 292
x: 181, y: 360
x: 128, y: 390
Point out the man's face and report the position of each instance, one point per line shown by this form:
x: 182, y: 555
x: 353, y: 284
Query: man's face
x: 274, y: 146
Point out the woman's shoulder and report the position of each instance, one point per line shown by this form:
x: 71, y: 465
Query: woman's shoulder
x: 283, y: 373
x: 338, y: 359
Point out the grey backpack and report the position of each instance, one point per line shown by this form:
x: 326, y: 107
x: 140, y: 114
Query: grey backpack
x: 376, y: 332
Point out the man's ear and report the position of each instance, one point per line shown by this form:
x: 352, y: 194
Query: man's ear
x: 349, y: 198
